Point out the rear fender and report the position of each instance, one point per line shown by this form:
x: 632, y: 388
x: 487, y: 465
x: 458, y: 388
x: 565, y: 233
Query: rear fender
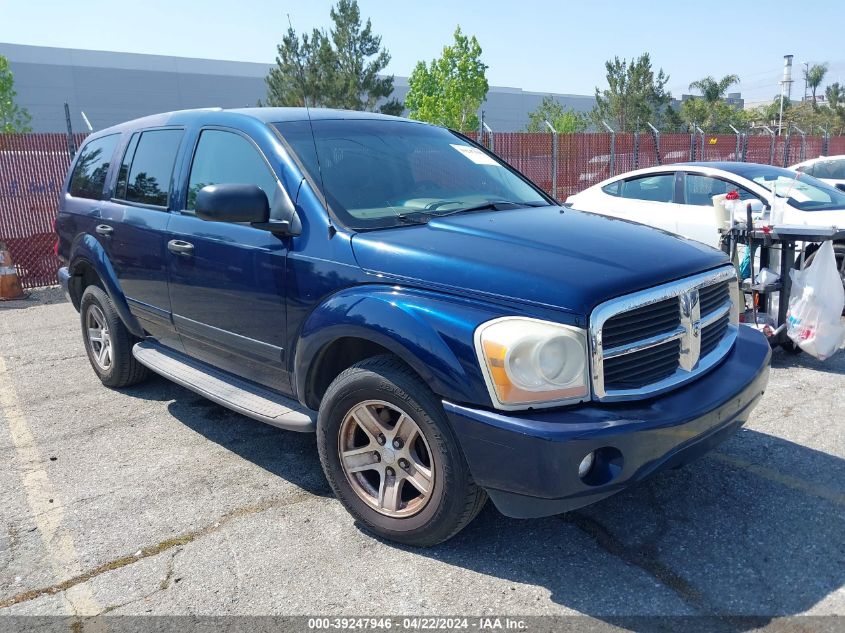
x: 88, y: 250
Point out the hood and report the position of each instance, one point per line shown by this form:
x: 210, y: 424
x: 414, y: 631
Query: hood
x: 835, y: 217
x: 561, y: 258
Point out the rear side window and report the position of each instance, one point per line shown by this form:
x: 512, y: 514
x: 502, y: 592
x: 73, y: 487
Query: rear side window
x: 832, y: 169
x: 89, y: 174
x: 613, y: 188
x: 656, y: 188
x: 228, y: 158
x: 147, y: 167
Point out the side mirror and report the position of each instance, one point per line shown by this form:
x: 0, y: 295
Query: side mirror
x: 840, y: 186
x: 233, y: 203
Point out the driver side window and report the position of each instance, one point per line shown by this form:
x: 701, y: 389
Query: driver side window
x: 225, y: 157
x: 699, y: 190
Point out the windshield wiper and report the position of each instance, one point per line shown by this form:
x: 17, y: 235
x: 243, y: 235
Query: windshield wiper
x: 425, y: 215
x: 492, y: 205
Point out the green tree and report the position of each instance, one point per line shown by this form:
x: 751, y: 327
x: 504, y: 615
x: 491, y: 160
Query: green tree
x: 450, y: 89
x: 835, y: 107
x: 814, y: 75
x: 335, y: 69
x: 710, y: 111
x: 13, y: 118
x: 564, y: 120
x: 713, y: 90
x: 635, y: 95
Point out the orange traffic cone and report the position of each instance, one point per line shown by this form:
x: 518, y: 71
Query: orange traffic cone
x: 10, y: 285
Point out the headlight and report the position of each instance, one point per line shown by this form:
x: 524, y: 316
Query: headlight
x: 531, y: 362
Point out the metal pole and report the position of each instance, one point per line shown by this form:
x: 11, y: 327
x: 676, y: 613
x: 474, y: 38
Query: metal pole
x: 692, y: 142
x: 771, y: 145
x: 491, y: 146
x: 71, y: 143
x: 825, y: 140
x: 637, y: 149
x: 738, y: 140
x: 786, y: 145
x: 554, y: 158
x: 612, y: 147
x: 701, y: 132
x: 481, y: 128
x: 803, y: 154
x: 656, y: 133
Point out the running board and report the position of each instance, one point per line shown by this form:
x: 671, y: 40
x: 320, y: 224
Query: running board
x: 234, y: 393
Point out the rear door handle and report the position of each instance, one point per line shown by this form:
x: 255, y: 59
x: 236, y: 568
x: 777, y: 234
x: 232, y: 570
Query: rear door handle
x: 104, y: 229
x: 178, y: 247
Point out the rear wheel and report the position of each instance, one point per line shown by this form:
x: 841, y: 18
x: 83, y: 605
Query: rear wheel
x: 107, y: 341
x: 391, y: 456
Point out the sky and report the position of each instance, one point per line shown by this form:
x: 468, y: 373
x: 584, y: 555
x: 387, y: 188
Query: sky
x: 542, y: 46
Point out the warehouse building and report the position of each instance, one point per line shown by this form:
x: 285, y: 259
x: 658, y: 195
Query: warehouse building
x: 111, y: 87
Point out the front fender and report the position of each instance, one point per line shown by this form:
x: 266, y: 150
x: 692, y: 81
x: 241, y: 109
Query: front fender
x: 88, y: 250
x: 431, y: 332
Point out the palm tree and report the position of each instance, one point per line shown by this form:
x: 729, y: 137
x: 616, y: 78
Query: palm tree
x: 713, y: 90
x: 814, y: 75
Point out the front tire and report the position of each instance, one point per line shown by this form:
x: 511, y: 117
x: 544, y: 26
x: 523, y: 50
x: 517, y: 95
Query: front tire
x: 391, y: 457
x: 107, y: 341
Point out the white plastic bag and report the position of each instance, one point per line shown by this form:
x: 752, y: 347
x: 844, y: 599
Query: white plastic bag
x: 814, y: 319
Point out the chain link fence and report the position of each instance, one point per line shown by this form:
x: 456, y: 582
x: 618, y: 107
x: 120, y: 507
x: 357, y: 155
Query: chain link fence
x: 33, y: 167
x: 32, y: 170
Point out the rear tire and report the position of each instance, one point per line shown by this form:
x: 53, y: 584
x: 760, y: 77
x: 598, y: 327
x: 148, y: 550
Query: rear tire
x: 391, y: 456
x: 107, y: 341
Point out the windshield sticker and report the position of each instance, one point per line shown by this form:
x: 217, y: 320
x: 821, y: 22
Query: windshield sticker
x: 476, y: 155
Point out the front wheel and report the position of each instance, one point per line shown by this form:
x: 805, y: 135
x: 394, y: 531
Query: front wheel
x: 391, y: 457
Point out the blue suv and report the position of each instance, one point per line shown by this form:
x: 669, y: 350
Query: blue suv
x: 448, y: 330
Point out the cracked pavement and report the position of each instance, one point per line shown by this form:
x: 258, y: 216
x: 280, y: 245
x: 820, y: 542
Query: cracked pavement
x: 165, y: 503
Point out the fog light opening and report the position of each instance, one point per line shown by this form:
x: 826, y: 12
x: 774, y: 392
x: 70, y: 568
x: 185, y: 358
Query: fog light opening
x: 586, y: 464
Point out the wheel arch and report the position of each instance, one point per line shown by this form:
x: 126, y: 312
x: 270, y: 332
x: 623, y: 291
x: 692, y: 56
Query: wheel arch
x: 89, y: 264
x: 431, y: 335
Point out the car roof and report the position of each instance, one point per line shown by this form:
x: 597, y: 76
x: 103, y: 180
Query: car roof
x: 810, y: 161
x: 265, y: 115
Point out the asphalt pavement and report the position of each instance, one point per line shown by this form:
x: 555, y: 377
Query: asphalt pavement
x: 153, y: 500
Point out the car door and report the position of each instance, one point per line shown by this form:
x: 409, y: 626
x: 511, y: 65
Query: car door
x: 133, y: 224
x: 697, y: 215
x: 645, y: 198
x: 227, y: 280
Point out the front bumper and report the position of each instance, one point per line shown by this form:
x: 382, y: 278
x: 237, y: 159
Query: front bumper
x: 528, y: 461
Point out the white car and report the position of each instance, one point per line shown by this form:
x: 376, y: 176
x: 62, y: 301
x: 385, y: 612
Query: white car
x: 830, y: 169
x: 679, y: 198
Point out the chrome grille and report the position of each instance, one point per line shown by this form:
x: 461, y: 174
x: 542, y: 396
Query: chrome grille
x: 633, y: 371
x: 633, y: 325
x: 651, y: 341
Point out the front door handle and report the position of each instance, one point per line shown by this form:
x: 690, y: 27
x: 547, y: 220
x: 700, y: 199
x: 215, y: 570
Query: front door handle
x: 179, y: 247
x: 104, y: 229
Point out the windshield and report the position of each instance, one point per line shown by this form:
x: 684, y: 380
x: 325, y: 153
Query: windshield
x: 382, y: 173
x: 802, y: 191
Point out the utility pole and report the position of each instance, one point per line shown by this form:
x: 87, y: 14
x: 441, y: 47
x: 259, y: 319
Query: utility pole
x: 785, y: 84
x: 806, y: 73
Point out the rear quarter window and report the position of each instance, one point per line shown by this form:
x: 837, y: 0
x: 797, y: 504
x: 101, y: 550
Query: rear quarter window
x: 89, y: 174
x: 147, y: 167
x: 613, y: 188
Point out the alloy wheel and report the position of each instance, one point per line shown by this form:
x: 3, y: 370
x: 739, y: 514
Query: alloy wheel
x: 98, y: 337
x: 386, y: 458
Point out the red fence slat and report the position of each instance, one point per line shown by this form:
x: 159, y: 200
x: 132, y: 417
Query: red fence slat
x: 33, y: 167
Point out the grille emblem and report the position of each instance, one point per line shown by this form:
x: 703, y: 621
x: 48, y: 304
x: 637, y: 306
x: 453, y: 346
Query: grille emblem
x: 691, y: 323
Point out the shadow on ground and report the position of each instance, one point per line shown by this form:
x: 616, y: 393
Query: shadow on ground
x: 754, y: 529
